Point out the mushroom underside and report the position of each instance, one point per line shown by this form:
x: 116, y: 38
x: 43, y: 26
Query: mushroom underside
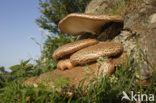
x: 86, y: 26
x: 79, y: 24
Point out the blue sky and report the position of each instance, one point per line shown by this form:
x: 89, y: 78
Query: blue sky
x: 17, y: 23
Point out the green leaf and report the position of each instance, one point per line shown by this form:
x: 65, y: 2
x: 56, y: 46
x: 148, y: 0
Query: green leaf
x: 25, y: 62
x: 15, y: 67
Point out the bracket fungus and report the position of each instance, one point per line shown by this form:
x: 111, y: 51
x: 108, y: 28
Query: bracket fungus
x: 67, y: 49
x: 73, y: 56
x: 73, y: 47
x: 77, y: 74
x: 64, y: 64
x: 81, y: 23
x: 92, y: 53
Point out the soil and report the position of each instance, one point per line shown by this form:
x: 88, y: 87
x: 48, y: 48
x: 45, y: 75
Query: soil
x: 75, y: 75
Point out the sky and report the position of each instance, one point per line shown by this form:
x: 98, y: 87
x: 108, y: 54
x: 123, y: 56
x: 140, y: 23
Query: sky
x: 17, y: 24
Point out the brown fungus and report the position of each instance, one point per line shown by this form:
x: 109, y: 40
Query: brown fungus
x: 64, y: 64
x: 81, y: 23
x: 73, y: 47
x: 92, y: 53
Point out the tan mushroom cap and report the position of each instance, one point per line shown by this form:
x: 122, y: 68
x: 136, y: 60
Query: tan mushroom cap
x: 80, y: 23
x: 64, y: 64
x: 73, y: 47
x: 92, y: 53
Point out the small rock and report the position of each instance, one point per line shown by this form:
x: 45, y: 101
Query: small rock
x: 153, y: 18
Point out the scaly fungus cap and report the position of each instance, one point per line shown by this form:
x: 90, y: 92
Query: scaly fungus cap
x: 92, y: 53
x: 73, y: 47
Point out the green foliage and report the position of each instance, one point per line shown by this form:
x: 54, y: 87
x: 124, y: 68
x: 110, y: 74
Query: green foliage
x: 59, y: 82
x: 54, y: 10
x: 52, y: 43
x: 101, y: 90
x: 16, y: 93
x: 22, y: 65
x: 22, y: 70
x: 46, y: 62
x: 5, y: 76
x: 2, y: 70
x: 19, y: 72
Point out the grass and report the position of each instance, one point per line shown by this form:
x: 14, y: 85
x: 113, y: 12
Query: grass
x: 102, y: 90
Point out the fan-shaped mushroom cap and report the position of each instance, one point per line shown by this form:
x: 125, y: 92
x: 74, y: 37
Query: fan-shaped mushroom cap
x: 73, y: 47
x: 64, y: 64
x: 80, y: 23
x: 92, y: 53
